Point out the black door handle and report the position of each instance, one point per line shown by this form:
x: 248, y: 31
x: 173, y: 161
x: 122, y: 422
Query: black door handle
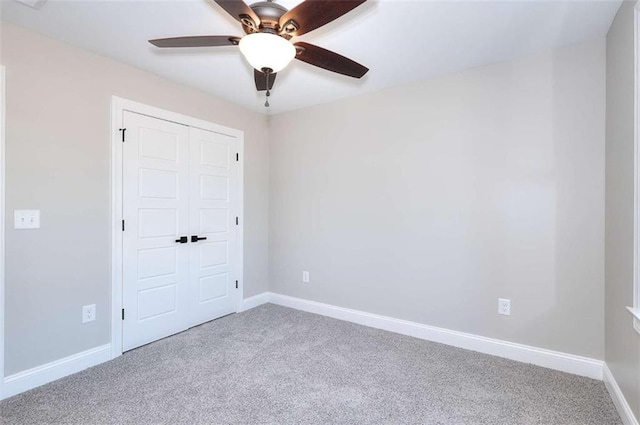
x: 196, y: 239
x: 183, y: 239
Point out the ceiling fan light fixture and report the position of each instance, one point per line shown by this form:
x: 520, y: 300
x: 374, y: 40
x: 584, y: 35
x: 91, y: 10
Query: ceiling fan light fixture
x: 264, y: 50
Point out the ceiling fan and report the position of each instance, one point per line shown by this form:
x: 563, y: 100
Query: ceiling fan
x: 269, y: 28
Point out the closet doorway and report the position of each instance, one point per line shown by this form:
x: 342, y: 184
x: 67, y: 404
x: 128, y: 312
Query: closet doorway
x: 180, y: 229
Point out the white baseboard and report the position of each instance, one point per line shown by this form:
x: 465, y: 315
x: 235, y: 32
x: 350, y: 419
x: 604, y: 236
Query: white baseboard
x: 564, y: 362
x: 569, y: 363
x: 32, y: 378
x: 624, y: 410
x: 255, y: 301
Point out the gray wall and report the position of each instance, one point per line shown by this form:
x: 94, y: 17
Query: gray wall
x: 622, y: 344
x: 58, y: 161
x: 429, y: 201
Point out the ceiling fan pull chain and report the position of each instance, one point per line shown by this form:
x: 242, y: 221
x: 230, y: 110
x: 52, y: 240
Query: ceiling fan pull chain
x: 266, y: 103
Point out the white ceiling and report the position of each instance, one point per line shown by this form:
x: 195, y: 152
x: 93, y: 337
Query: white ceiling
x: 400, y: 41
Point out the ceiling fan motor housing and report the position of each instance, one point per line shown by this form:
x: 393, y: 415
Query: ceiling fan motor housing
x: 269, y: 14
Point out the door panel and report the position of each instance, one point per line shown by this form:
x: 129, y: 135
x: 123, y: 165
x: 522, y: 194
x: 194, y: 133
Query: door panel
x: 178, y: 181
x: 212, y: 215
x: 155, y: 210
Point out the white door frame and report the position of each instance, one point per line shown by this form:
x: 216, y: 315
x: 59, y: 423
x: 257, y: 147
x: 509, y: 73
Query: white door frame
x: 118, y: 106
x: 2, y: 223
x: 635, y: 309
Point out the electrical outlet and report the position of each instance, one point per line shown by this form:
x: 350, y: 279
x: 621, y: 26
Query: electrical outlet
x: 504, y: 306
x: 88, y: 313
x: 305, y: 276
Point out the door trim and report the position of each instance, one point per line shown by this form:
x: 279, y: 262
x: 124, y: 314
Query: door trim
x: 2, y: 225
x: 118, y: 106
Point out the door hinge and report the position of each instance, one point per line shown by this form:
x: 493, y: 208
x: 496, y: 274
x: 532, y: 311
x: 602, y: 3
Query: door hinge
x: 122, y: 130
x: 236, y: 284
x: 236, y: 221
x: 237, y: 157
x: 123, y: 225
x: 123, y: 314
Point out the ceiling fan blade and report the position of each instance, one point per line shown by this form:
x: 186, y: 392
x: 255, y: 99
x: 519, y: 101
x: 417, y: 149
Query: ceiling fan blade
x: 261, y: 80
x: 197, y: 41
x: 329, y: 60
x: 313, y: 14
x: 240, y: 11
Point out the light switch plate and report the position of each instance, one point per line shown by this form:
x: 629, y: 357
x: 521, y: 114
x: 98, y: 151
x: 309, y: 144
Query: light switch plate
x: 26, y: 219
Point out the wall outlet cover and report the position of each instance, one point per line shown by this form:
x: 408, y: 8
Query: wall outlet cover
x: 88, y: 313
x: 305, y: 276
x: 504, y: 306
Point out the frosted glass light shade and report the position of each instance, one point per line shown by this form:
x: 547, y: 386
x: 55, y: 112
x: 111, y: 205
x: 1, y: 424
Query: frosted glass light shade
x: 263, y: 50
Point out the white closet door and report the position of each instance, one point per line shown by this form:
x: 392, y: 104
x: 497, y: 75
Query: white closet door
x: 155, y: 210
x: 213, y: 211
